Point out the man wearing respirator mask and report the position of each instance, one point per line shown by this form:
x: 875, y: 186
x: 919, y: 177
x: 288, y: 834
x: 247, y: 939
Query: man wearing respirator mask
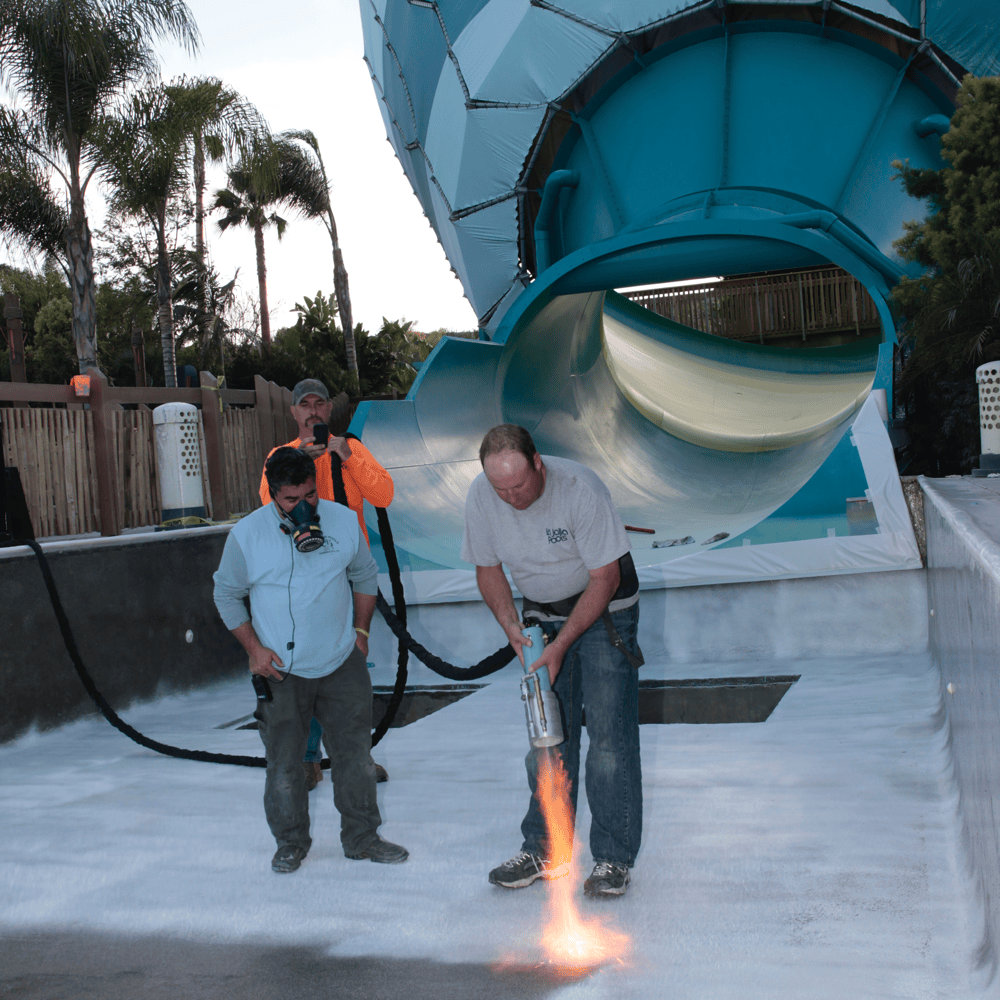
x: 347, y: 472
x: 307, y: 642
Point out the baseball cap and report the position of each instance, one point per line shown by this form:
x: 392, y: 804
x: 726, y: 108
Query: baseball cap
x: 309, y: 387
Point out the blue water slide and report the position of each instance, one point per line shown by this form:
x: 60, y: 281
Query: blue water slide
x: 565, y: 149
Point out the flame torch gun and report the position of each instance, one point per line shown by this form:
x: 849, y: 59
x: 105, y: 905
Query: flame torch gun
x: 541, y: 704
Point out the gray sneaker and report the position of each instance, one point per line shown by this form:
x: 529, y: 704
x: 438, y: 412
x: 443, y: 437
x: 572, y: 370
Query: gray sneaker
x: 607, y: 879
x: 383, y: 852
x: 525, y: 868
x: 287, y: 859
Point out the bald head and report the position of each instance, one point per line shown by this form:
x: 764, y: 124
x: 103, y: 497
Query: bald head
x: 517, y: 480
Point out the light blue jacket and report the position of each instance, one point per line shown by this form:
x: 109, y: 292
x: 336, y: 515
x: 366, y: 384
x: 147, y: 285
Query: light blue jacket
x: 300, y: 602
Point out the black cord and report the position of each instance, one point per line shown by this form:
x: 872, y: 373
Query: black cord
x: 101, y: 702
x: 399, y: 689
x: 395, y: 621
x: 494, y: 662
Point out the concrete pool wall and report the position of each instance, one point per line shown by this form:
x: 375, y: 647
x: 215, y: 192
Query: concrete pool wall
x: 143, y: 617
x: 963, y: 585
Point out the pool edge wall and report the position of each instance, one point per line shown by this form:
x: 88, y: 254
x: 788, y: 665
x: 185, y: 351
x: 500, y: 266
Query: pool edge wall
x: 131, y: 602
x: 963, y: 583
x: 132, y: 599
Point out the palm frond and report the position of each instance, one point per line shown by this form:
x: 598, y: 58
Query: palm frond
x: 228, y: 124
x: 69, y: 59
x: 29, y: 216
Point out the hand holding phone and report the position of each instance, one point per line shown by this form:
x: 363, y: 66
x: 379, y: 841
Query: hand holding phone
x: 261, y: 687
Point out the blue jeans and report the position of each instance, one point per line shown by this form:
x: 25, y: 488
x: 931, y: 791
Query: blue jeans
x: 597, y: 676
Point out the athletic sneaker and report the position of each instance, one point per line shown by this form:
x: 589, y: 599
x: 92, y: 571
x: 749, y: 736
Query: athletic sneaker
x: 525, y: 868
x: 288, y: 858
x: 607, y: 879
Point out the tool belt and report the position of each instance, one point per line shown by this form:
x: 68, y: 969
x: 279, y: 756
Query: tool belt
x: 628, y: 587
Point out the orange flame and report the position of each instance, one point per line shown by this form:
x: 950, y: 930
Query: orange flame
x: 569, y: 939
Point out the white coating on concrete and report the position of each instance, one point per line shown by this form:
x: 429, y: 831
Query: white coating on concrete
x: 814, y: 855
x: 963, y: 558
x: 130, y: 536
x: 971, y: 507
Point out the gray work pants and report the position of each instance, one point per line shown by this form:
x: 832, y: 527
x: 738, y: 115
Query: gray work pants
x: 342, y: 702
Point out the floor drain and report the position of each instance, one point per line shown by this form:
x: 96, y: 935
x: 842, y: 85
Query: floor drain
x: 713, y: 700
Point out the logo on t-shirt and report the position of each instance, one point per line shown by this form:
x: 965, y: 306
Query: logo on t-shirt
x: 556, y: 535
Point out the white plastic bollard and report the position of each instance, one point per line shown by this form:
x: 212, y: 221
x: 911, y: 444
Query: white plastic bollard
x: 988, y: 381
x: 178, y: 461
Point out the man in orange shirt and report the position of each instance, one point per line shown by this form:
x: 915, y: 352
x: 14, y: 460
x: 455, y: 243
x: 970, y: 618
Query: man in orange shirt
x: 362, y: 477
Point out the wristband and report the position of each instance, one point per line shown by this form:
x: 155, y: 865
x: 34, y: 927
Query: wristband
x: 362, y: 631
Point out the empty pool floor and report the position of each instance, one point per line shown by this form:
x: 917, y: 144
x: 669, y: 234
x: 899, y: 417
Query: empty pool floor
x: 815, y: 854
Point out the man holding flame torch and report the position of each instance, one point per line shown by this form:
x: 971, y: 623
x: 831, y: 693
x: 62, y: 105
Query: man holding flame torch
x: 553, y: 524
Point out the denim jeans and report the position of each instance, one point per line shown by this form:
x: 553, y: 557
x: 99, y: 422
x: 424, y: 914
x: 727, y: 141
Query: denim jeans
x: 596, y: 676
x: 342, y: 702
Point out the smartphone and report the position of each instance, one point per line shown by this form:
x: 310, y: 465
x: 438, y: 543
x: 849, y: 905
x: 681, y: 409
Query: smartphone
x: 261, y: 686
x: 321, y: 434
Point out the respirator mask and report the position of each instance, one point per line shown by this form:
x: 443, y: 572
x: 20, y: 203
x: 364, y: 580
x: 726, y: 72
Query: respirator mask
x: 305, y: 530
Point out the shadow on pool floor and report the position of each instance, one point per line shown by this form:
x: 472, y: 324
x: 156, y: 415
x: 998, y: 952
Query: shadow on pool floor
x: 73, y: 966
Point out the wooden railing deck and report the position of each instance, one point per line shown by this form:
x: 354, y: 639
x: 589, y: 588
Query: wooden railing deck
x: 768, y: 307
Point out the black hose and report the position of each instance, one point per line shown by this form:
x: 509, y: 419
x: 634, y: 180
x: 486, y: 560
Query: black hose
x: 494, y: 662
x: 101, y: 702
x: 396, y: 622
x: 389, y: 548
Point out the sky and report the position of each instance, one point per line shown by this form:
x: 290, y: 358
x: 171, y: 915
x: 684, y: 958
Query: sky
x: 300, y: 62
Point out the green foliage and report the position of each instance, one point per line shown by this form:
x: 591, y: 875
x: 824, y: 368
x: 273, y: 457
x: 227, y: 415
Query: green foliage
x: 34, y: 289
x: 119, y: 308
x: 433, y: 338
x: 314, y: 348
x: 51, y: 356
x: 952, y: 312
x: 46, y: 324
x: 49, y: 352
x: 965, y: 194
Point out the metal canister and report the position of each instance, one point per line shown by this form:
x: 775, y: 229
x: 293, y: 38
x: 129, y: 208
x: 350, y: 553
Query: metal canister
x: 541, y: 704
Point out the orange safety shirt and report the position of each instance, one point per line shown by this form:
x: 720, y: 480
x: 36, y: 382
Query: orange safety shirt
x: 364, y: 479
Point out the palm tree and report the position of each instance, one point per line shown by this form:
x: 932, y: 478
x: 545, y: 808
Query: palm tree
x: 69, y: 62
x: 145, y: 153
x: 319, y: 206
x: 238, y: 120
x: 258, y: 184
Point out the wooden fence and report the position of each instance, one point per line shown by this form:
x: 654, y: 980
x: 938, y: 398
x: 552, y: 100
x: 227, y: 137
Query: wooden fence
x: 54, y: 452
x: 94, y: 469
x: 769, y: 307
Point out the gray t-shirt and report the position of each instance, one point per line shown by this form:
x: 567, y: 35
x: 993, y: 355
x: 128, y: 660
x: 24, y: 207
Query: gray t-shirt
x: 551, y: 547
